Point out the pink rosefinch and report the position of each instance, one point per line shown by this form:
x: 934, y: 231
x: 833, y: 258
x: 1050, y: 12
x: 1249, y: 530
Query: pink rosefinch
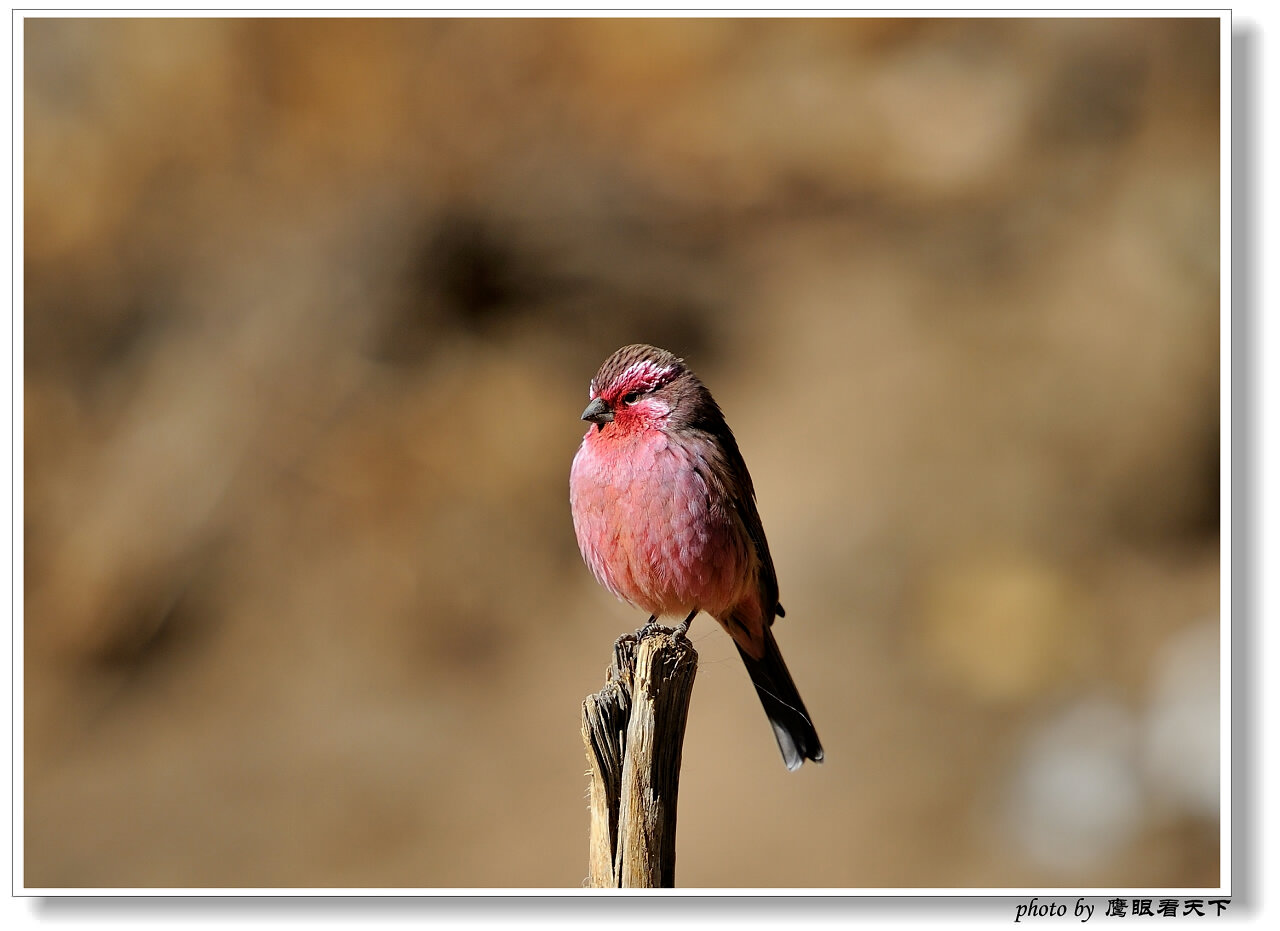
x: 665, y: 515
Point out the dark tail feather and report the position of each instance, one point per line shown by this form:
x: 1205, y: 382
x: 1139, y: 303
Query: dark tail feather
x: 797, y: 739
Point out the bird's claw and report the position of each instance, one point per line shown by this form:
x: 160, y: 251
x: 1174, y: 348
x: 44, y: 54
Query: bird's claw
x: 650, y: 626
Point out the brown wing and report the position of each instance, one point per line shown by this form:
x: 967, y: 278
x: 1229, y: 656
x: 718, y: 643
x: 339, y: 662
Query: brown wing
x: 745, y: 502
x: 696, y: 409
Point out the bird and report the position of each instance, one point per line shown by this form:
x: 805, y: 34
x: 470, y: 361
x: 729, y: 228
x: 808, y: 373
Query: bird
x: 665, y: 515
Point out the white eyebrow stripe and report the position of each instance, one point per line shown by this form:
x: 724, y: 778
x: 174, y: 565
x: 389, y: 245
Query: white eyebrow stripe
x: 647, y: 372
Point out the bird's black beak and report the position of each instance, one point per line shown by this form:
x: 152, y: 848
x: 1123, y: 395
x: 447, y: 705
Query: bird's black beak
x: 598, y: 413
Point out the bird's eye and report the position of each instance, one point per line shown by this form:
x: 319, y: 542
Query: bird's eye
x: 631, y: 397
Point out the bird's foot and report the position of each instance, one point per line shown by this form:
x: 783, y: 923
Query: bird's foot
x: 683, y: 629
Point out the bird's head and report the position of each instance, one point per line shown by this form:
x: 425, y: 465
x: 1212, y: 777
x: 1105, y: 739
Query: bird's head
x: 637, y: 387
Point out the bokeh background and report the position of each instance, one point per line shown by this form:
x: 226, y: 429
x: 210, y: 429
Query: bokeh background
x: 310, y: 311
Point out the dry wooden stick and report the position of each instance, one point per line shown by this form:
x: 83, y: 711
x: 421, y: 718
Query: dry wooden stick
x: 633, y: 730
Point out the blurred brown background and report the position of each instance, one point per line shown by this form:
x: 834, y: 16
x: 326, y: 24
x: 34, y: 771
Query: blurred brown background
x: 310, y: 312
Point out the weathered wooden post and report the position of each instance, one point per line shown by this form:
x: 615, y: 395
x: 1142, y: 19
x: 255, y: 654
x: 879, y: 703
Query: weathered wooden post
x: 633, y: 730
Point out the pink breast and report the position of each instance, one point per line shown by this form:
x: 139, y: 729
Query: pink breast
x: 652, y: 531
